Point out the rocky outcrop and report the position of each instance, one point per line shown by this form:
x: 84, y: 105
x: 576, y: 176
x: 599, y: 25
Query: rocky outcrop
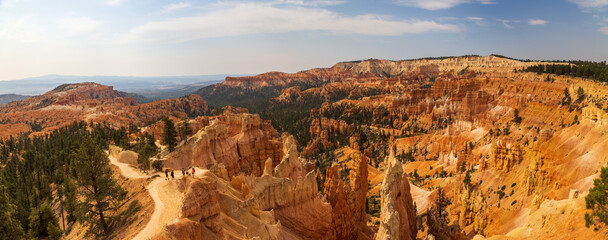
x: 473, y: 208
x: 290, y: 166
x: 398, y: 219
x: 346, y: 191
x: 324, y: 133
x: 536, y: 178
x: 505, y: 156
x: 291, y: 194
x: 241, y: 142
x: 211, y: 209
x: 595, y: 114
x: 200, y: 208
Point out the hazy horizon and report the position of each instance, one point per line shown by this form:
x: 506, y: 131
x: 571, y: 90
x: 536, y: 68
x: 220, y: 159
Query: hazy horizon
x: 161, y: 38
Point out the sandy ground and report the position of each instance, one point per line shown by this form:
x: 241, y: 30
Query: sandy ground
x: 167, y: 199
x: 421, y: 197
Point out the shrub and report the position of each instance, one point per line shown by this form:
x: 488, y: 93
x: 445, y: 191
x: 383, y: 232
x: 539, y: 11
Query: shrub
x: 158, y: 165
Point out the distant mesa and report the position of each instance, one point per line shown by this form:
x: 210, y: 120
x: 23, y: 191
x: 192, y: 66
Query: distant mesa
x: 90, y: 102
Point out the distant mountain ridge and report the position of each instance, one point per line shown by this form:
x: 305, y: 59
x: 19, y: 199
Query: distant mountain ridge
x: 7, y: 98
x: 90, y: 102
x: 150, y: 87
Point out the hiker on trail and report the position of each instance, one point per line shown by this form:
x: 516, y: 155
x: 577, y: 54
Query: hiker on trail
x: 193, y: 171
x: 183, y: 173
x: 166, y: 174
x: 172, y: 176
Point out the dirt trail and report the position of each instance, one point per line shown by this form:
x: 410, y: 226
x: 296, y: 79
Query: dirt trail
x: 165, y: 194
x: 167, y: 201
x: 126, y: 170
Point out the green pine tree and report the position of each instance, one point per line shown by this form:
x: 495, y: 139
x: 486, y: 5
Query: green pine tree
x: 40, y: 219
x: 597, y: 201
x: 516, y: 117
x: 69, y: 189
x: 10, y: 228
x: 184, y: 129
x: 567, y: 99
x: 467, y: 179
x: 169, y: 134
x: 580, y: 93
x: 144, y: 155
x: 102, y: 194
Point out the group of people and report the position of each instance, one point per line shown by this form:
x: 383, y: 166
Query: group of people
x: 189, y: 172
x: 167, y: 174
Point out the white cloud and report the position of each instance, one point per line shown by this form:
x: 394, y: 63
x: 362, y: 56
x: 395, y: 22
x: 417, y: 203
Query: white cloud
x: 115, y: 2
x: 475, y: 18
x: 439, y: 4
x: 537, y: 22
x: 78, y: 26
x: 508, y: 23
x: 255, y: 18
x: 604, y: 30
x: 176, y: 6
x: 590, y: 3
x: 478, y: 20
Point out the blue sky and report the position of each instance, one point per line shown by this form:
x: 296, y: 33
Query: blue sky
x: 169, y: 38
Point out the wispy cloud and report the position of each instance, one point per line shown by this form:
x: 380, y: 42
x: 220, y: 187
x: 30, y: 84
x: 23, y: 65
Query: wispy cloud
x: 590, y: 3
x: 594, y: 7
x: 439, y: 4
x: 508, y: 23
x: 537, y: 22
x: 477, y: 20
x: 255, y: 18
x: 176, y: 6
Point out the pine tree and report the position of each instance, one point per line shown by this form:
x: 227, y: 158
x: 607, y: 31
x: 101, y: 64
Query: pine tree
x: 144, y: 155
x: 441, y: 202
x: 567, y: 99
x: 41, y: 220
x: 184, y: 129
x: 169, y: 134
x: 597, y: 201
x: 580, y: 93
x: 516, y: 117
x: 10, y: 228
x: 102, y: 194
x: 69, y: 189
x: 467, y: 179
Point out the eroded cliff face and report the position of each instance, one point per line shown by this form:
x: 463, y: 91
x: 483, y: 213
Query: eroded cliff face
x: 292, y: 194
x: 346, y: 190
x: 506, y: 156
x: 212, y: 209
x: 398, y: 218
x: 473, y: 208
x: 241, y: 142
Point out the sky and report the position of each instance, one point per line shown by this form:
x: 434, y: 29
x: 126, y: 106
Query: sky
x: 176, y: 38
